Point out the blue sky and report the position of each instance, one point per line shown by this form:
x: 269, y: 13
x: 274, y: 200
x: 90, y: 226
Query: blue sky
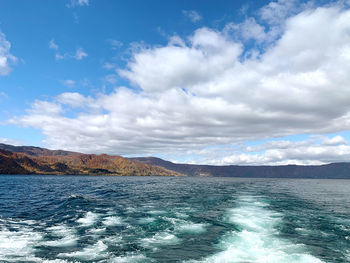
x: 220, y: 82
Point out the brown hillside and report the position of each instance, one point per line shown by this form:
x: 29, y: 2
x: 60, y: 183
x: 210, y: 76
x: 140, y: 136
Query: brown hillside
x: 75, y: 164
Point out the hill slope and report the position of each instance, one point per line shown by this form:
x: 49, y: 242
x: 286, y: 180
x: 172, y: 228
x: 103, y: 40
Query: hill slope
x: 33, y: 160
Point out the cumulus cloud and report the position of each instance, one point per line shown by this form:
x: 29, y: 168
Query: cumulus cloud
x: 247, y: 30
x: 73, y: 99
x: 208, y: 55
x: 193, y: 15
x: 270, y: 23
x: 6, y: 58
x: 50, y: 108
x: 277, y: 11
x: 199, y: 91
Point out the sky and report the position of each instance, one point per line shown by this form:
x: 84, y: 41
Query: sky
x: 209, y: 82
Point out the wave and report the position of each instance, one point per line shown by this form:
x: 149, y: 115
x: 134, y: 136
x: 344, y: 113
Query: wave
x: 113, y: 221
x: 160, y: 239
x: 93, y: 252
x: 18, y: 241
x: 89, y: 219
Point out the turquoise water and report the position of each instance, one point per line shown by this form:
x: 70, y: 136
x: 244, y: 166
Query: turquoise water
x: 157, y: 219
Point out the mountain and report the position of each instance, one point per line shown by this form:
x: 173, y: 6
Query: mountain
x: 35, y: 151
x: 34, y: 160
x: 187, y: 169
x: 330, y: 171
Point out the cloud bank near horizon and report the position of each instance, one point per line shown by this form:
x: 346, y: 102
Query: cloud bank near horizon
x: 282, y: 73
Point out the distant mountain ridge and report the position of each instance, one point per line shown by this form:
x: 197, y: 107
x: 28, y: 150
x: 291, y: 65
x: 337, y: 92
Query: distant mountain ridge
x: 35, y: 160
x: 327, y: 171
x: 35, y: 151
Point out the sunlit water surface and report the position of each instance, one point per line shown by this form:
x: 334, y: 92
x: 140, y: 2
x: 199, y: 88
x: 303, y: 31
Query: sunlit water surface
x: 158, y: 219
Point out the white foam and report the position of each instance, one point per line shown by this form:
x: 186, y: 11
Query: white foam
x: 18, y: 244
x: 157, y: 212
x: 112, y: 221
x: 59, y: 230
x: 89, y: 219
x: 94, y: 252
x: 181, y: 215
x: 97, y: 231
x: 66, y: 234
x: 56, y: 261
x: 184, y: 226
x: 160, y: 239
x: 146, y: 220
x: 63, y: 242
x: 191, y: 228
x: 114, y: 240
x: 303, y: 231
x: 307, y: 232
x: 131, y: 210
x: 130, y: 259
x: 347, y: 255
x: 257, y: 241
x: 173, y: 220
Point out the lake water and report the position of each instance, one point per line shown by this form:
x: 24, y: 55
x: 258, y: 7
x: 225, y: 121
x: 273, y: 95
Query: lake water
x: 162, y: 219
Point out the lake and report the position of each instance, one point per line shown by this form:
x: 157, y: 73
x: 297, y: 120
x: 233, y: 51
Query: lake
x: 172, y: 219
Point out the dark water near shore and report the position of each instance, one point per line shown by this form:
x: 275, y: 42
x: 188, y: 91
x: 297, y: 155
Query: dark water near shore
x: 157, y: 219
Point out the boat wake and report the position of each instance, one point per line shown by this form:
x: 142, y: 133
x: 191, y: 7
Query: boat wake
x: 255, y: 237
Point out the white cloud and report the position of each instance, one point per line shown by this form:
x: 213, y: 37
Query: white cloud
x: 277, y: 11
x: 111, y: 79
x: 174, y: 66
x: 73, y: 99
x: 109, y: 66
x: 75, y: 3
x: 257, y: 35
x: 6, y: 58
x: 272, y: 22
x: 3, y: 95
x: 249, y: 29
x: 10, y: 141
x: 199, y: 91
x: 304, y: 152
x: 59, y: 56
x: 53, y: 45
x: 80, y: 54
x: 334, y: 141
x: 45, y: 108
x: 193, y: 15
x: 69, y: 83
x: 115, y: 44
